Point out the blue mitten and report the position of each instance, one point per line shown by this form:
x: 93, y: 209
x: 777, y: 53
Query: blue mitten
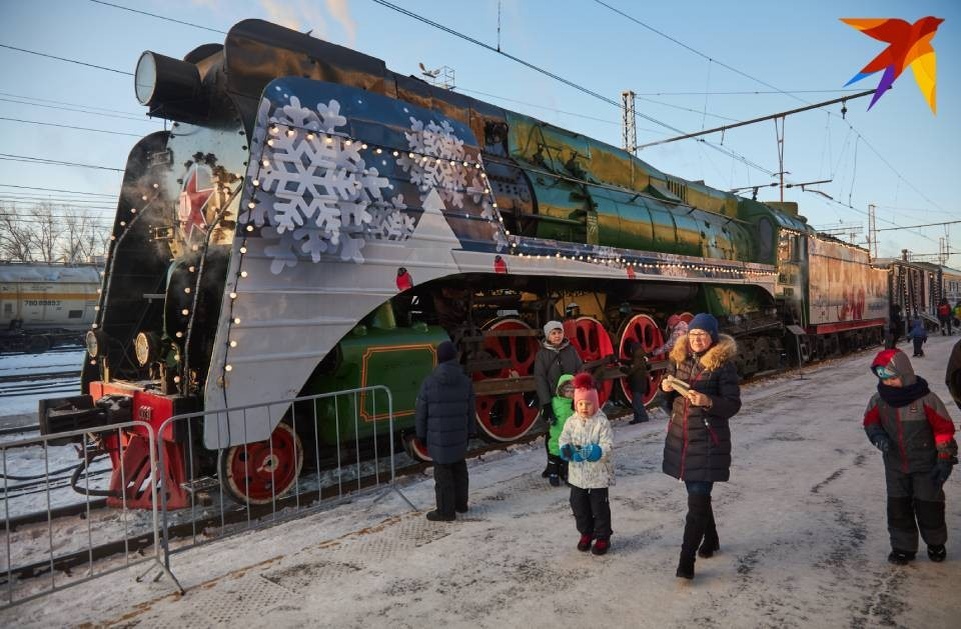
x: 578, y: 455
x: 592, y: 452
x: 567, y: 452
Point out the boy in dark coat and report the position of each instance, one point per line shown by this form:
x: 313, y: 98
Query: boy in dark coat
x: 698, y: 445
x: 918, y: 336
x: 445, y: 422
x: 910, y: 426
x: 555, y: 357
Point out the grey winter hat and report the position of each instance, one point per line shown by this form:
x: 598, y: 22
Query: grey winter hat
x: 552, y: 325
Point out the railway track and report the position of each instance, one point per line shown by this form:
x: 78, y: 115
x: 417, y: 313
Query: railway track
x: 23, y: 384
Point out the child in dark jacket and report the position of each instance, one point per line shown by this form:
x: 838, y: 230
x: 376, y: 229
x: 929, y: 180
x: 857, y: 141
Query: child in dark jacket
x: 910, y: 426
x: 918, y: 336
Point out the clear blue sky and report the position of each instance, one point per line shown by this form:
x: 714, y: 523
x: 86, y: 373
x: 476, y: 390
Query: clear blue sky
x: 897, y: 156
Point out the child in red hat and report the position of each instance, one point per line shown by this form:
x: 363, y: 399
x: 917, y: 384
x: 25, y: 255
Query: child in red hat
x: 587, y: 442
x: 910, y: 426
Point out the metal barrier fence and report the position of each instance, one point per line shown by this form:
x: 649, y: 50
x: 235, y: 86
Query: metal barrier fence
x: 347, y: 434
x: 32, y: 546
x: 254, y: 488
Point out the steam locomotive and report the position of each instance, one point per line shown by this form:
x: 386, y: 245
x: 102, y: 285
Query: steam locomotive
x: 315, y: 222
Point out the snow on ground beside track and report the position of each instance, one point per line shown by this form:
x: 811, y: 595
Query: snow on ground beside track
x: 802, y: 526
x: 26, y: 364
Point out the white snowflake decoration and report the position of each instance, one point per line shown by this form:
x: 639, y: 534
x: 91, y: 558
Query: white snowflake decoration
x: 324, y: 199
x: 434, y: 147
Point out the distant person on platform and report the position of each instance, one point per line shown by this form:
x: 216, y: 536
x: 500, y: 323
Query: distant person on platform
x: 677, y: 327
x: 555, y: 357
x: 586, y: 442
x: 910, y: 426
x: 897, y: 325
x: 944, y: 317
x: 702, y: 387
x: 636, y: 376
x: 918, y: 335
x: 445, y: 422
x: 952, y: 375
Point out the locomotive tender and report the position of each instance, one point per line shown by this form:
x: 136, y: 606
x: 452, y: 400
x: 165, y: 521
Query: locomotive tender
x: 315, y: 222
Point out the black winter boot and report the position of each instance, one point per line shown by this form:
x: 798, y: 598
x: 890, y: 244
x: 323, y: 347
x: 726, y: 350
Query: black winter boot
x: 711, y: 543
x: 694, y: 525
x: 553, y: 470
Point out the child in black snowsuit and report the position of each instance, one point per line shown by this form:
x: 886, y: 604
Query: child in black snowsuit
x: 910, y: 426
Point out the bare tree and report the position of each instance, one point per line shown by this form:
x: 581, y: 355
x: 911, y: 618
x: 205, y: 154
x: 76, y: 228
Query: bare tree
x: 16, y: 234
x: 51, y: 233
x: 47, y: 231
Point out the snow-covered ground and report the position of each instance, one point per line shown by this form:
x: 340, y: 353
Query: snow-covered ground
x: 24, y: 407
x: 802, y: 527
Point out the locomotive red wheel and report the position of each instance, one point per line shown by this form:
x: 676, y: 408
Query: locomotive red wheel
x: 592, y: 342
x: 642, y: 328
x: 507, y: 417
x: 416, y: 449
x: 258, y: 472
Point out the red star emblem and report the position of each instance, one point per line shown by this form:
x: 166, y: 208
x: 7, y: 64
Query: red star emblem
x: 194, y: 196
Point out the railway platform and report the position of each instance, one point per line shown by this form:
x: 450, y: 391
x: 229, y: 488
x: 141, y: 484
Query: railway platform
x: 802, y: 528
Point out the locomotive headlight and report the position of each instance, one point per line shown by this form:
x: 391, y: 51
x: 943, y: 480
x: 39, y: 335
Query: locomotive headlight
x: 96, y: 342
x: 169, y: 87
x: 146, y: 347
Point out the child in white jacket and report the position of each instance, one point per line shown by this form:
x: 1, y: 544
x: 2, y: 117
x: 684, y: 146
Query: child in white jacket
x: 587, y: 442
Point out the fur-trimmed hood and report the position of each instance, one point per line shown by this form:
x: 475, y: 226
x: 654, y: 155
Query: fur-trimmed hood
x: 724, y: 350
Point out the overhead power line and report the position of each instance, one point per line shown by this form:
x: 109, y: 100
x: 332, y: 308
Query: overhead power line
x: 99, y: 194
x: 925, y: 225
x: 53, y: 162
x: 561, y: 79
x: 745, y: 92
x: 66, y: 126
x: 60, y: 102
x: 82, y: 63
x: 695, y: 51
x: 761, y: 119
x: 83, y: 111
x: 159, y: 17
x: 764, y: 83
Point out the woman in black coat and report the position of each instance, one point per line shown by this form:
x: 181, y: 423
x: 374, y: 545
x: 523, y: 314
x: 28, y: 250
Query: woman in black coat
x: 698, y: 445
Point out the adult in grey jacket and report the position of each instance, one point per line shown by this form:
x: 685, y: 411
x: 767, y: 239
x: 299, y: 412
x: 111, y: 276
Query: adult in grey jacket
x: 445, y: 422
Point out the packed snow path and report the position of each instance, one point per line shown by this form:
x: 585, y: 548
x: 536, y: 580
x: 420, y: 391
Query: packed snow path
x: 802, y: 529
